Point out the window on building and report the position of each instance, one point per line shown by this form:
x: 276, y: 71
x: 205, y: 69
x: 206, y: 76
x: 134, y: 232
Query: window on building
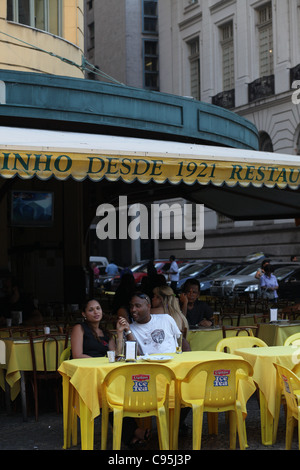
x: 194, y: 59
x: 265, y: 34
x: 227, y: 56
x: 151, y: 64
x: 41, y: 14
x: 150, y: 16
x: 265, y: 142
x: 91, y: 36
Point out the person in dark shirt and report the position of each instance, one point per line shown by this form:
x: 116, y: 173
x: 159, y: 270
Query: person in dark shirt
x: 90, y: 340
x: 196, y: 311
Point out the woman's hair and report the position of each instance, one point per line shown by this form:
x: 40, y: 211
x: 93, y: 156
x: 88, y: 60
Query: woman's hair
x: 171, y: 305
x: 85, y: 304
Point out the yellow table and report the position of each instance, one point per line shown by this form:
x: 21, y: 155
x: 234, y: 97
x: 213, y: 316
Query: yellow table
x: 18, y: 360
x: 206, y: 339
x: 265, y: 376
x: 85, y: 376
x: 275, y: 334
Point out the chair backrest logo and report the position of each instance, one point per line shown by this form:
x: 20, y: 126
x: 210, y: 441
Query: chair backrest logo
x: 286, y: 383
x: 140, y: 383
x: 221, y: 378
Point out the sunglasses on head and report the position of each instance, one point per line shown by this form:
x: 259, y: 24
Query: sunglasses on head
x: 141, y: 295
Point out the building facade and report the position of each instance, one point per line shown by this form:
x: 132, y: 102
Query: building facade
x: 42, y: 37
x: 43, y: 91
x: 243, y: 55
x: 122, y: 41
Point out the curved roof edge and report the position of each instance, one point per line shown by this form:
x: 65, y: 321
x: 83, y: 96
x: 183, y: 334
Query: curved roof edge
x: 64, y: 102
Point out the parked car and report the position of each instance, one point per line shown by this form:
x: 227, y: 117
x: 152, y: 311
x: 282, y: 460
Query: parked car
x: 206, y: 282
x: 289, y: 282
x: 99, y: 260
x: 201, y: 270
x: 104, y: 279
x: 139, y: 270
x: 224, y: 286
x: 235, y: 285
x: 288, y: 277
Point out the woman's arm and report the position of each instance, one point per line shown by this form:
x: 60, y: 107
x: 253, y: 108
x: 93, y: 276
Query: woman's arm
x: 77, y: 342
x: 112, y: 344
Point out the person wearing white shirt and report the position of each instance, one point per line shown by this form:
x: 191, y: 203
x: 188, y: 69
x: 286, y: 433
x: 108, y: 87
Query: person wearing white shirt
x: 153, y: 333
x: 173, y: 273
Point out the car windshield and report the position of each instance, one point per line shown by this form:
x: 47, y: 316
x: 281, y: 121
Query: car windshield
x: 224, y: 271
x: 249, y: 270
x: 138, y: 267
x: 193, y: 269
x: 281, y: 273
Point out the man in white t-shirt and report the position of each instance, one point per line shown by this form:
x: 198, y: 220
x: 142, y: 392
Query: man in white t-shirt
x: 153, y: 333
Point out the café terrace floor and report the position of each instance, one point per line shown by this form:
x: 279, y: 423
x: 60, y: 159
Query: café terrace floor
x: 47, y: 433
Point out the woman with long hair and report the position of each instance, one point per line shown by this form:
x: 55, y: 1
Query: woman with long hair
x: 88, y: 339
x: 165, y: 301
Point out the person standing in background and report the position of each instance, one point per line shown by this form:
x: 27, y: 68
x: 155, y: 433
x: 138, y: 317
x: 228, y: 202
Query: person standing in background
x: 173, y: 273
x: 112, y: 269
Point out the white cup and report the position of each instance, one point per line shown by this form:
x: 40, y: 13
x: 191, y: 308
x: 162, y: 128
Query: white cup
x: 8, y: 322
x: 47, y: 330
x: 111, y: 356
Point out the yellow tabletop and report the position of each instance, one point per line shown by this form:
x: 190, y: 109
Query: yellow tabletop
x: 18, y: 358
x: 275, y: 334
x: 265, y: 376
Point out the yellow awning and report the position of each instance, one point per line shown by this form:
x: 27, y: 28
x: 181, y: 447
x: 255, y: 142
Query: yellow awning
x: 30, y: 152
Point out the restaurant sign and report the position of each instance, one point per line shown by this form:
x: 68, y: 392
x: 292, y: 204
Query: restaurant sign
x: 129, y: 168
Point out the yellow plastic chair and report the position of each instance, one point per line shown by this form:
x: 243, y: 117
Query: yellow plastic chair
x: 296, y: 369
x: 137, y: 391
x: 213, y: 387
x: 65, y: 355
x: 235, y: 342
x: 290, y: 385
x: 293, y: 339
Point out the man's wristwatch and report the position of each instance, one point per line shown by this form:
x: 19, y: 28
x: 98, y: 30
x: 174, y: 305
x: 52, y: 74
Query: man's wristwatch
x: 127, y: 332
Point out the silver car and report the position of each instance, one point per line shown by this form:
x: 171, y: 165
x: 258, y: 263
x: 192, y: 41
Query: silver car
x: 224, y: 286
x: 251, y: 287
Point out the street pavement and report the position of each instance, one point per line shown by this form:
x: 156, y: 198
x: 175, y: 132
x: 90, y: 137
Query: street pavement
x: 47, y: 433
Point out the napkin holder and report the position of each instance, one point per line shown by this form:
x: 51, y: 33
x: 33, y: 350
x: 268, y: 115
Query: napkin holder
x: 130, y: 351
x: 273, y: 314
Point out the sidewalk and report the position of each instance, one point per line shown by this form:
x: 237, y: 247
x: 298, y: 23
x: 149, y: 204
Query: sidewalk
x: 47, y: 433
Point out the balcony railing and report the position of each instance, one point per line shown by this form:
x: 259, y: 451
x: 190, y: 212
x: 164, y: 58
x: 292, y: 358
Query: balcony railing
x: 261, y: 88
x: 225, y: 99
